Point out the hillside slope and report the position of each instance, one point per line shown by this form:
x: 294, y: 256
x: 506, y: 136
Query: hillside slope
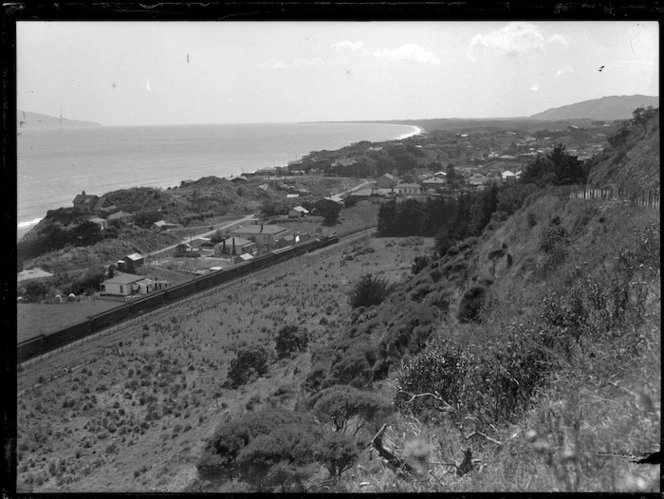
x: 605, y: 108
x: 633, y: 164
x: 541, y: 336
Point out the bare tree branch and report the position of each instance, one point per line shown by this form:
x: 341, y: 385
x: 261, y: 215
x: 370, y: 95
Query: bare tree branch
x: 413, y: 396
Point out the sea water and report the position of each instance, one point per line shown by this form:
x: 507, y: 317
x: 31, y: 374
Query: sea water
x: 55, y: 165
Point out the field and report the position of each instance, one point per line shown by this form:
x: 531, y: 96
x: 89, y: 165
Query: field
x: 129, y: 410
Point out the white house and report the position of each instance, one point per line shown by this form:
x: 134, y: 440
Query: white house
x: 408, y: 188
x: 126, y: 285
x: 508, y: 176
x: 298, y: 212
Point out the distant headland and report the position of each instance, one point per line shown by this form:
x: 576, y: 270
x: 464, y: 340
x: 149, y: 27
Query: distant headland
x: 26, y: 119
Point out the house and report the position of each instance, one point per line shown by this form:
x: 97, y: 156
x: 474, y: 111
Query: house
x: 243, y: 258
x: 103, y: 224
x: 344, y: 162
x: 440, y: 175
x: 90, y: 203
x: 362, y: 193
x: 407, y: 189
x: 121, y: 216
x: 508, y: 176
x: 288, y: 240
x: 131, y: 262
x: 266, y: 172
x: 478, y: 180
x: 164, y: 225
x: 336, y: 199
x: 434, y: 183
x: 261, y: 234
x: 386, y: 181
x: 298, y: 212
x: 292, y: 196
x: 126, y: 285
x: 234, y: 245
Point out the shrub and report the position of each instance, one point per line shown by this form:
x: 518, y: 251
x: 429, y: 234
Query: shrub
x: 220, y: 453
x: 285, y: 456
x: 369, y: 291
x: 290, y: 339
x: 249, y: 363
x: 420, y: 263
x: 471, y: 304
x: 339, y: 404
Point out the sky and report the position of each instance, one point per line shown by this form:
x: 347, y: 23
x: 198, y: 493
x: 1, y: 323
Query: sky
x: 177, y: 73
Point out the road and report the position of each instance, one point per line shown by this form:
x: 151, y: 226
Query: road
x: 204, y: 234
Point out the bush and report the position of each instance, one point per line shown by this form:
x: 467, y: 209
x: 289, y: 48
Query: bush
x: 220, y: 453
x: 369, y: 291
x: 249, y: 363
x: 420, y: 263
x: 290, y: 339
x: 471, y: 304
x: 281, y: 458
x: 337, y: 405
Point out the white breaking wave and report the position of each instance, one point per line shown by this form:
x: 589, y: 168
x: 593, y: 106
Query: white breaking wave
x: 416, y: 131
x: 29, y: 223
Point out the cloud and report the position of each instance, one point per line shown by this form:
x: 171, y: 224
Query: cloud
x: 408, y: 52
x: 534, y: 88
x: 316, y: 61
x: 347, y: 45
x: 513, y: 39
x: 298, y: 63
x: 272, y: 65
x: 566, y: 69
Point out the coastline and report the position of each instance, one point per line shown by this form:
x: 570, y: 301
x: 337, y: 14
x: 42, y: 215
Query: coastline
x: 25, y: 226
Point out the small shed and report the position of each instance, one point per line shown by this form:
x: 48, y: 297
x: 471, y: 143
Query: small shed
x: 298, y: 212
x: 103, y: 224
x: 131, y: 262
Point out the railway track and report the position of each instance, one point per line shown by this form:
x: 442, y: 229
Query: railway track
x: 89, y: 344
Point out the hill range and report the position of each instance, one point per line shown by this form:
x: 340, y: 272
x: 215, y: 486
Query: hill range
x: 26, y: 119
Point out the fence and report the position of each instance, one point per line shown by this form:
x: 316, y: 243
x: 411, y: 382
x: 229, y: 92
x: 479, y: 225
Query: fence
x: 641, y: 197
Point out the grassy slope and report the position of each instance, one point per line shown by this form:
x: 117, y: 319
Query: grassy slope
x: 635, y: 165
x: 589, y: 404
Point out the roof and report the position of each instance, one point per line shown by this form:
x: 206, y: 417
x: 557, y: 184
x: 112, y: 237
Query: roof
x: 292, y: 195
x: 240, y: 178
x: 440, y: 173
x: 125, y: 279
x: 258, y: 229
x: 134, y: 257
x: 301, y: 209
x: 407, y: 185
x: 239, y: 241
x: 96, y: 220
x: 388, y: 175
x: 119, y: 214
x: 245, y: 256
x: 362, y: 192
x: 507, y: 173
x: 434, y: 181
x: 85, y: 199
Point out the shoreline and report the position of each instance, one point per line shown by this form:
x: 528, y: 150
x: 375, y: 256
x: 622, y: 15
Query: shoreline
x: 25, y: 226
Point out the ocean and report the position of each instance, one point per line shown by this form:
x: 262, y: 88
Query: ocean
x: 54, y: 165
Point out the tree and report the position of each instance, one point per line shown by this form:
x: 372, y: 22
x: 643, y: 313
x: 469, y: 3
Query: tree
x: 339, y: 404
x: 368, y: 291
x: 249, y: 363
x: 220, y: 454
x: 290, y: 339
x: 642, y: 116
x: 451, y: 174
x: 283, y: 457
x: 86, y: 233
x: 338, y: 453
x: 419, y: 263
